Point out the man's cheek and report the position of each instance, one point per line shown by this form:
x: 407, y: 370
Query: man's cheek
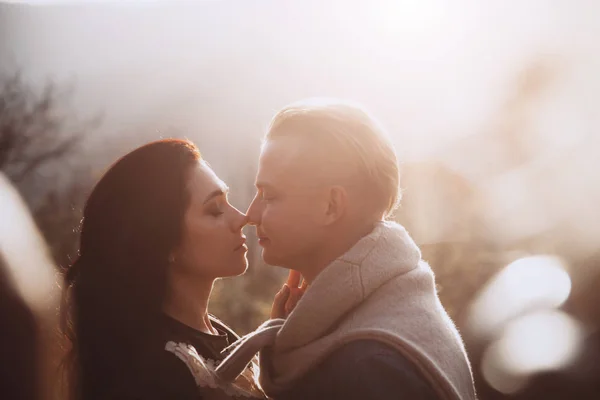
x: 272, y: 217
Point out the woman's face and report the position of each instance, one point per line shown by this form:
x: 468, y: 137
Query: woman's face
x: 212, y: 244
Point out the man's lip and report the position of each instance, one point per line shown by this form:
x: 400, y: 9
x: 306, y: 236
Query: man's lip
x: 262, y: 240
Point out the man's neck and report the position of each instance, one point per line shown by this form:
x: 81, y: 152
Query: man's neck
x: 341, y: 242
x: 186, y: 300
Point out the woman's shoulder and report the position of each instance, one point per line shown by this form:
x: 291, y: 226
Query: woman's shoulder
x: 164, y: 376
x: 203, y: 372
x: 199, y: 368
x: 180, y: 363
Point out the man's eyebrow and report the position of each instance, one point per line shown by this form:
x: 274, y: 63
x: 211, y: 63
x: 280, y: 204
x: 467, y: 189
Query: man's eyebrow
x: 216, y: 193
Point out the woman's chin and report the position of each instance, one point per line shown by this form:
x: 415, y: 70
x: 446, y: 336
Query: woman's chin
x: 236, y: 270
x: 242, y: 270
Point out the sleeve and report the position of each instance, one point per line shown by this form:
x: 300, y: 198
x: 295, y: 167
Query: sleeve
x: 366, y: 370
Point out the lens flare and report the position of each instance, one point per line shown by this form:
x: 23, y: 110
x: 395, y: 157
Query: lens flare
x: 544, y: 341
x: 526, y: 284
x: 25, y: 251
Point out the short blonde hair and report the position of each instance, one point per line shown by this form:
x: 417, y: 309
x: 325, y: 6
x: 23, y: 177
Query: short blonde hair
x: 347, y: 131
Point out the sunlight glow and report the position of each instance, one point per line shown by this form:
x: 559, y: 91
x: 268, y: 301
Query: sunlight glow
x: 24, y: 250
x: 411, y: 16
x: 496, y: 374
x: 525, y: 284
x: 543, y: 341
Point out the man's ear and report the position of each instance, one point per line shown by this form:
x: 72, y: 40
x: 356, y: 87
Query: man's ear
x: 337, y: 204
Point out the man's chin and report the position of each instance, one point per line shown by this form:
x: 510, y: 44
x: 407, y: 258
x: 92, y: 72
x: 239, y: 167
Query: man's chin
x: 271, y: 259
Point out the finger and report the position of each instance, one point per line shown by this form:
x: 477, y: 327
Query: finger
x: 290, y: 305
x: 278, y: 309
x: 284, y: 292
x: 279, y: 302
x: 293, y: 280
x: 304, y: 285
x: 293, y: 299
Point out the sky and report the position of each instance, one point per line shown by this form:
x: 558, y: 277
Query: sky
x: 431, y: 72
x: 445, y: 78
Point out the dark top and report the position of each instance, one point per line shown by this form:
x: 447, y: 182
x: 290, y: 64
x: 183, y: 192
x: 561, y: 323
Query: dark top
x: 363, y: 369
x: 166, y: 376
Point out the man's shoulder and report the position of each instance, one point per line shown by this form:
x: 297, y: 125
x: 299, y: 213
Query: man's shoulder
x: 367, y: 368
x: 368, y: 357
x: 362, y: 351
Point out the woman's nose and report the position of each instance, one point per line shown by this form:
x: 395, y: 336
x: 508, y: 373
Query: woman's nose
x: 253, y: 213
x: 241, y: 220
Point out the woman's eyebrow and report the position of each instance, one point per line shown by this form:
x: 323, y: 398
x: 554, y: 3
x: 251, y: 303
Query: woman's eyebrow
x: 216, y: 193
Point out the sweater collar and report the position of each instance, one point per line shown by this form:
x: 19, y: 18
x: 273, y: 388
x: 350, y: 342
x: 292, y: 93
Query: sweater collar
x: 385, y: 253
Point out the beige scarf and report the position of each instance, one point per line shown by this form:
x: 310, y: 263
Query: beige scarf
x: 381, y: 290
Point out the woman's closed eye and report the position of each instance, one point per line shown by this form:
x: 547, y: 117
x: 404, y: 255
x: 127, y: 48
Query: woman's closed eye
x: 215, y: 209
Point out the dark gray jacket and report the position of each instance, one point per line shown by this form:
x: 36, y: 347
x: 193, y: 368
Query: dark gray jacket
x: 364, y: 369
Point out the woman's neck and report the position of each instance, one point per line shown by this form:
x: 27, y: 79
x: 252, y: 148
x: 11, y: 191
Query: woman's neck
x: 186, y: 300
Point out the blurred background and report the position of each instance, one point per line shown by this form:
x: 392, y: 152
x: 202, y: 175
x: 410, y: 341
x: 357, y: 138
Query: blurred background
x: 493, y: 107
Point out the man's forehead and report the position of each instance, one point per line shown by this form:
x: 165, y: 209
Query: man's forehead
x: 280, y: 160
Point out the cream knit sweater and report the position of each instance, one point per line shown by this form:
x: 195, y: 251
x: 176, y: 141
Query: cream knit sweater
x: 381, y: 290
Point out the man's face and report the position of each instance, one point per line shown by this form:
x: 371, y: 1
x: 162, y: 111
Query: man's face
x: 289, y: 205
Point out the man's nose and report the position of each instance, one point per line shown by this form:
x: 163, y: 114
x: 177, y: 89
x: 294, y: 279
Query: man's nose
x: 254, y: 212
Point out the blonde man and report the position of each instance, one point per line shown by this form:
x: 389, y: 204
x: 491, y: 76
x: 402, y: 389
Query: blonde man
x: 370, y: 324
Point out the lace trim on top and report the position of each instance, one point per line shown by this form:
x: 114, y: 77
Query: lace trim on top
x: 202, y: 370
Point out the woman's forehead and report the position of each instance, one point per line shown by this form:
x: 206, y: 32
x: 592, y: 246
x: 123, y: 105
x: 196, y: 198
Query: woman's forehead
x: 203, y: 181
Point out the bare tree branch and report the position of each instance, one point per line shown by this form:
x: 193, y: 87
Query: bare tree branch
x: 33, y: 131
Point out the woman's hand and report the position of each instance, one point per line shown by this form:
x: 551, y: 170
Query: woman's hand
x: 289, y: 295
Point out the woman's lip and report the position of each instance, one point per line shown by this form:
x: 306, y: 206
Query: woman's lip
x: 263, y: 240
x: 241, y: 246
